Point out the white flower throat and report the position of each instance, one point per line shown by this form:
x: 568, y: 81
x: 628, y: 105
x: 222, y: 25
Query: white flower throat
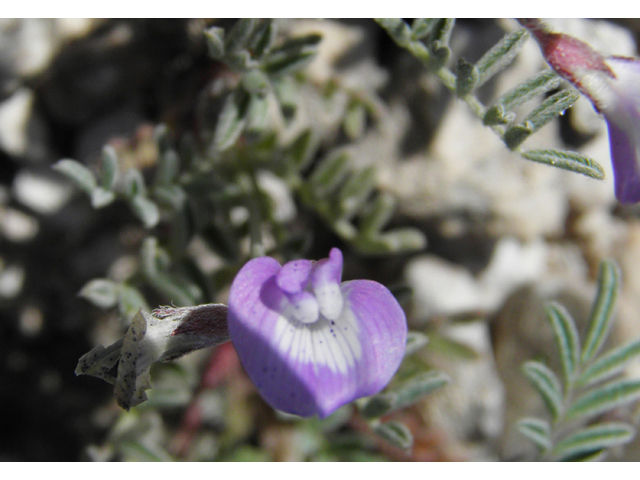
x: 317, y: 326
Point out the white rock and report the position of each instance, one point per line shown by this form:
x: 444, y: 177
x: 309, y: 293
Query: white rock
x: 41, y: 194
x: 15, y: 113
x: 474, y: 402
x: 11, y: 281
x: 17, y: 226
x: 442, y: 288
x: 337, y: 39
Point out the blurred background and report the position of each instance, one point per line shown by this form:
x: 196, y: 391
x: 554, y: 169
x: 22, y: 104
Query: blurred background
x: 503, y: 236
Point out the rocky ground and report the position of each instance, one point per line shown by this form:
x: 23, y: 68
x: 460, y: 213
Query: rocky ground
x: 504, y: 235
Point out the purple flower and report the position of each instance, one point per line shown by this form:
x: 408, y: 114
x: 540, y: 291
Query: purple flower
x: 310, y: 343
x: 613, y: 86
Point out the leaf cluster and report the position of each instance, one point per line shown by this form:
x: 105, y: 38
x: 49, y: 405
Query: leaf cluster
x: 590, y: 384
x: 466, y: 78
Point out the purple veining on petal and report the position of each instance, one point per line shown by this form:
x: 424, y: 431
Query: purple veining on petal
x: 315, y: 368
x: 624, y: 157
x: 294, y: 275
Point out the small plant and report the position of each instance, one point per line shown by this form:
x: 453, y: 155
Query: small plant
x: 266, y: 173
x: 590, y: 384
x: 428, y: 40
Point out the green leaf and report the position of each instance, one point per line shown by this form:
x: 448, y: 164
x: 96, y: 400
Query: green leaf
x: 467, y: 76
x: 101, y: 197
x: 421, y: 27
x: 330, y: 172
x: 399, y: 240
x: 256, y: 82
x: 605, y: 398
x: 536, y: 430
x: 215, y: 42
x: 77, y: 173
x: 174, y: 292
x: 134, y: 183
x: 610, y: 364
x: 231, y: 121
x: 498, y: 113
x: 439, y: 55
x: 540, y: 116
x: 258, y: 114
x: 239, y: 34
x: 402, y: 35
x: 137, y: 451
x: 378, y: 405
x: 145, y: 210
x: 162, y: 138
x: 515, y: 135
x: 571, y: 161
x: 442, y: 33
x: 151, y: 258
x: 241, y: 61
x: 262, y: 39
x: 596, y: 456
x: 101, y: 292
x: 396, y: 434
x: 547, y: 385
x: 567, y: 339
x: 397, y: 29
x: 550, y: 108
x: 173, y: 196
x: 353, y: 196
x: 148, y: 254
x: 109, y: 167
x: 302, y: 150
x: 281, y: 64
x: 160, y: 398
x: 377, y: 214
x: 541, y: 83
x: 415, y: 342
x: 285, y: 90
x: 293, y: 55
x: 602, y: 312
x: 355, y: 120
x: 449, y: 347
x: 417, y: 387
x: 500, y: 55
x: 168, y: 168
x: 594, y: 438
x: 130, y: 301
x: 247, y: 453
x: 405, y: 395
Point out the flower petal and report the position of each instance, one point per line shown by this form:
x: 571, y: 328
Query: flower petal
x: 383, y: 332
x: 621, y: 108
x: 613, y: 86
x: 325, y: 279
x: 254, y: 303
x: 626, y: 160
x: 294, y: 275
x: 314, y: 368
